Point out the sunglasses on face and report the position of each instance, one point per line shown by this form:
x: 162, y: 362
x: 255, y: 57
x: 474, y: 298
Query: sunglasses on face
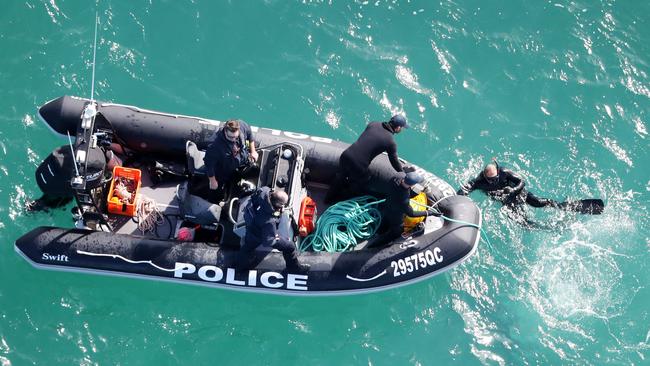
x: 232, y: 135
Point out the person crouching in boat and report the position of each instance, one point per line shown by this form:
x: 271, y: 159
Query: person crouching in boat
x: 396, y: 206
x: 507, y: 187
x: 353, y: 172
x: 263, y: 216
x: 231, y: 153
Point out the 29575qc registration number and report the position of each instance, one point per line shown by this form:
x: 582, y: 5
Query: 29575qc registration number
x: 416, y: 262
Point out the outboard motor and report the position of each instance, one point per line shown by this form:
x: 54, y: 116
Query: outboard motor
x: 54, y: 174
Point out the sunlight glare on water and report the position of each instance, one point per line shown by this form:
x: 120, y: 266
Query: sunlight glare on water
x: 557, y: 91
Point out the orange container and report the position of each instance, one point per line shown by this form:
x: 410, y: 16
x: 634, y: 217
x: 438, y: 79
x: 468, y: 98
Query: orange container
x: 307, y: 216
x: 117, y: 206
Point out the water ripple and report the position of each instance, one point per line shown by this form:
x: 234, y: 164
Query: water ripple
x: 53, y: 11
x: 409, y: 79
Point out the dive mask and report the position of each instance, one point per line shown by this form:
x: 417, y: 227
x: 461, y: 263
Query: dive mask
x: 232, y: 135
x: 492, y: 180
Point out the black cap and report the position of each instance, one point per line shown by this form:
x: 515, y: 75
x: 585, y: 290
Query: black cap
x: 412, y: 178
x: 399, y: 121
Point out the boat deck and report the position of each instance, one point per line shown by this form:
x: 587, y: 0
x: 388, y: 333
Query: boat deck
x: 168, y: 204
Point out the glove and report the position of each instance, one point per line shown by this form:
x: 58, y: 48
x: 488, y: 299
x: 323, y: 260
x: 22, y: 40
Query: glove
x: 463, y: 190
x: 508, y: 190
x: 213, y: 183
x: 497, y: 193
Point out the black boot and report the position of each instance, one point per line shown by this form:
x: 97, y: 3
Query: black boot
x: 302, y: 268
x: 293, y: 265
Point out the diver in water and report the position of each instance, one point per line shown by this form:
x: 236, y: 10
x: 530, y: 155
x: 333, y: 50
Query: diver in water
x: 507, y: 187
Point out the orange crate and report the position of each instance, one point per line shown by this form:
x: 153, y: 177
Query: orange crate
x: 115, y: 206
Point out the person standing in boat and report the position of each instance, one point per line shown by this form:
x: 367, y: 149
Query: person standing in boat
x: 264, y: 218
x: 231, y: 153
x: 507, y: 187
x: 396, y: 206
x: 353, y: 172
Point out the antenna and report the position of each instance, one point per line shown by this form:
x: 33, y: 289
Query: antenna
x: 87, y: 122
x: 73, y: 155
x: 92, y: 84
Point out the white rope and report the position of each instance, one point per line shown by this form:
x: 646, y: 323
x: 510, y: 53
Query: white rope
x: 438, y: 201
x: 124, y: 259
x: 148, y: 215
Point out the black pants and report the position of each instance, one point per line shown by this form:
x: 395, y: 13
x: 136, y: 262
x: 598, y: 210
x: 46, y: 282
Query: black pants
x: 350, y: 181
x: 525, y: 197
x: 384, y: 239
x: 535, y: 201
x: 247, y: 253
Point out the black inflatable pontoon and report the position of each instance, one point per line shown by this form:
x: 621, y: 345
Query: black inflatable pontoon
x: 152, y: 139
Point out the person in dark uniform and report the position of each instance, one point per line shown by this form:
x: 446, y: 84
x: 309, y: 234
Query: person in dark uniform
x: 263, y: 217
x: 354, y: 161
x: 505, y: 186
x: 396, y: 206
x: 232, y: 152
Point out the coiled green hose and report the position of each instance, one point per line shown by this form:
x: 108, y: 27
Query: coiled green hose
x: 342, y: 224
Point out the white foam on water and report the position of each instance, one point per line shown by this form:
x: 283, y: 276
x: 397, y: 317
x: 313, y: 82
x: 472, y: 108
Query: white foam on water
x: 409, y: 79
x: 53, y: 11
x: 18, y: 200
x: 578, y: 277
x: 27, y: 120
x: 332, y: 119
x: 579, y: 273
x: 442, y: 58
x: 128, y: 59
x: 639, y: 127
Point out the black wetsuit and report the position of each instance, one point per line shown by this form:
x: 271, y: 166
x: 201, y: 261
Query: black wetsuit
x: 396, y: 206
x: 354, y: 162
x: 498, y: 187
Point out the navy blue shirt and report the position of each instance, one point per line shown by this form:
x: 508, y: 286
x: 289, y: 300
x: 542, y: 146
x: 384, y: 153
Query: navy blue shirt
x: 223, y: 157
x: 261, y: 223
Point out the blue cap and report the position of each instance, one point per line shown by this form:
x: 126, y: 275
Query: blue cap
x: 399, y: 121
x: 412, y: 178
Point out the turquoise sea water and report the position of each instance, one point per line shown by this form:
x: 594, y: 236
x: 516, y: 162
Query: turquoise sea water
x: 558, y: 90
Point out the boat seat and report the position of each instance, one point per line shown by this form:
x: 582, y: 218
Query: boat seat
x: 196, y: 209
x: 195, y: 163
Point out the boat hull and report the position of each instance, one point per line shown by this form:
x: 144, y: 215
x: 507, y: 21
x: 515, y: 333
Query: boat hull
x: 165, y: 135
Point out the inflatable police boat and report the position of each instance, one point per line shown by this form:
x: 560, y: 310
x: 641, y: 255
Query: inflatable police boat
x: 163, y: 153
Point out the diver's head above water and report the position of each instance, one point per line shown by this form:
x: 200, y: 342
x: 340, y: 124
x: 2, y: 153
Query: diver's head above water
x: 491, y: 173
